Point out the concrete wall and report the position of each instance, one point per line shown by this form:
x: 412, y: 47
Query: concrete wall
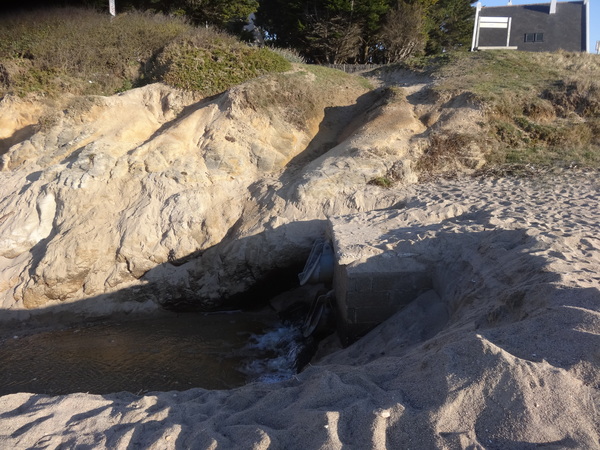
x: 367, y: 293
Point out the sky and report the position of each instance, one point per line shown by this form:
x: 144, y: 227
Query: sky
x: 594, y: 15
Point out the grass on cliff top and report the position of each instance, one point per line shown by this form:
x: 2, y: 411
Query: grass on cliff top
x: 540, y: 108
x: 213, y: 65
x: 300, y: 96
x: 534, y: 84
x: 81, y: 51
x: 506, y: 82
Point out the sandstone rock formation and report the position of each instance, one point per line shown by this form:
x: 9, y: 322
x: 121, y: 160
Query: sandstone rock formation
x: 154, y: 197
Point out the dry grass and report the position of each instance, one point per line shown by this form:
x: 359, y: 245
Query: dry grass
x: 541, y: 108
x: 448, y: 154
x: 79, y: 50
x: 82, y: 51
x: 299, y: 97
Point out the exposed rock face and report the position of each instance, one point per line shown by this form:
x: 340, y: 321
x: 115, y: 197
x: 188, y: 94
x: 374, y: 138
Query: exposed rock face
x: 153, y: 195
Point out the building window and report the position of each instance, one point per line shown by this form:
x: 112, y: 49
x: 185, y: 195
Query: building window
x: 534, y: 37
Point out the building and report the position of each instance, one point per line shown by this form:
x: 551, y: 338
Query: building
x: 543, y: 27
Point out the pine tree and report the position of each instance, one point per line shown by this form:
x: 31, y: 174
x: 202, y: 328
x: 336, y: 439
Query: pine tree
x: 451, y: 26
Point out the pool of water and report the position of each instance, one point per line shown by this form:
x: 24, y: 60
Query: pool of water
x: 173, y: 352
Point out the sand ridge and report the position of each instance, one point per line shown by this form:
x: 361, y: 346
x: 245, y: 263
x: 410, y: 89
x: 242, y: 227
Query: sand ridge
x: 516, y: 365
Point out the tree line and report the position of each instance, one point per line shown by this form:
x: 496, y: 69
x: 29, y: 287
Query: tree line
x: 335, y: 31
x: 366, y: 31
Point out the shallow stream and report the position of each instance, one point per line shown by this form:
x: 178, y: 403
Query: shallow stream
x: 170, y: 352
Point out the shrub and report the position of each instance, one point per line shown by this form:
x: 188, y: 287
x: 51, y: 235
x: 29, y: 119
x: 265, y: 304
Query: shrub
x: 82, y: 51
x: 210, y: 62
x: 446, y: 153
x: 384, y: 182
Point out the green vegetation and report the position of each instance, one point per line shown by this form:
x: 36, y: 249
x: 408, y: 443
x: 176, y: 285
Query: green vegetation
x: 367, y: 31
x: 290, y: 54
x: 540, y: 108
x: 522, y: 82
x: 82, y: 51
x: 228, y: 15
x: 384, y: 182
x: 212, y: 66
x: 328, y: 31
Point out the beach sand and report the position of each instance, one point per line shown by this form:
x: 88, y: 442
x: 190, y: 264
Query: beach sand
x: 515, y: 364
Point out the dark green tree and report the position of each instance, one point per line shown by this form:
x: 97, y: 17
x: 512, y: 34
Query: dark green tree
x: 404, y: 32
x: 372, y: 14
x: 450, y: 26
x: 224, y: 14
x: 283, y: 21
x: 323, y: 30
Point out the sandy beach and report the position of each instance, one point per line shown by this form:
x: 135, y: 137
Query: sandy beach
x: 515, y: 365
x: 171, y: 170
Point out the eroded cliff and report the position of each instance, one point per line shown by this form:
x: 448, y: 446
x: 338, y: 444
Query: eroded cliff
x: 159, y: 198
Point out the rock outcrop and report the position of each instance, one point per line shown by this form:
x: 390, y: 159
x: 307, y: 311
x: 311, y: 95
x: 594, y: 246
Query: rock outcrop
x: 153, y: 195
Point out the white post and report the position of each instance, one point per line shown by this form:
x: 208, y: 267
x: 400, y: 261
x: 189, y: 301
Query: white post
x: 587, y: 25
x: 111, y: 7
x: 476, y: 27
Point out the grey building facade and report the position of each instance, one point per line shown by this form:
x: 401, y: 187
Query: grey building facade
x: 543, y: 27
